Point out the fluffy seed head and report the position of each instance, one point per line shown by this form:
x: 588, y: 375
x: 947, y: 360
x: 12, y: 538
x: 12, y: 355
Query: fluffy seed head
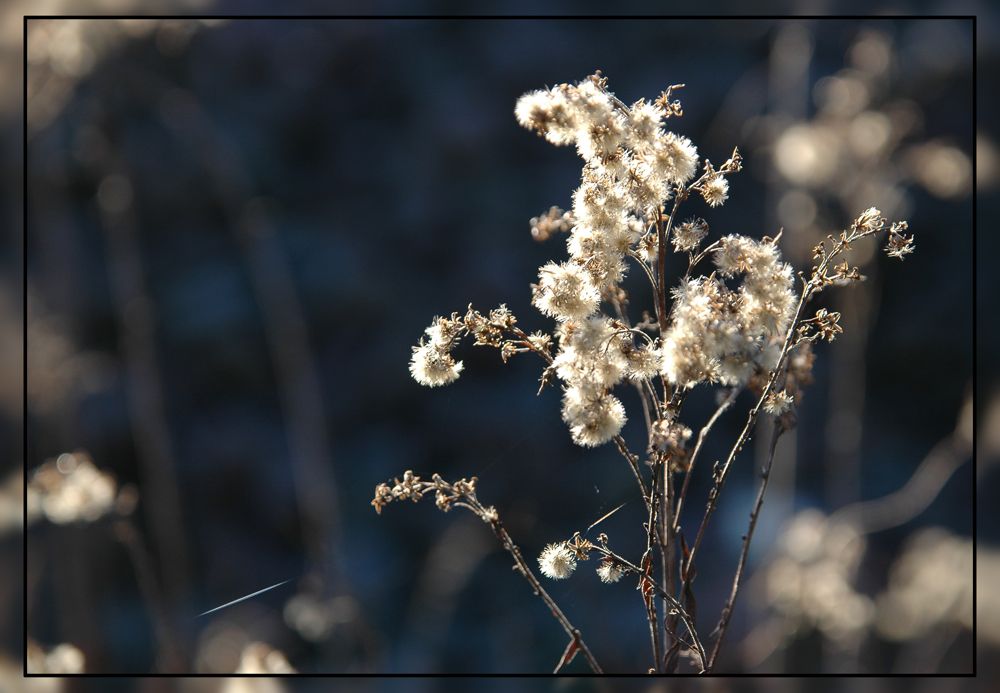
x: 672, y: 159
x: 646, y: 119
x: 432, y: 366
x: 689, y: 235
x: 643, y: 362
x: 594, y: 418
x: 549, y: 113
x: 565, y: 291
x: 609, y: 571
x: 557, y: 561
x: 715, y: 190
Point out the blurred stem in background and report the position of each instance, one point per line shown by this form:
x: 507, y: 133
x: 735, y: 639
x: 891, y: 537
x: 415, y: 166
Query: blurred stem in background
x: 150, y: 428
x: 788, y: 95
x: 296, y: 374
x: 920, y: 490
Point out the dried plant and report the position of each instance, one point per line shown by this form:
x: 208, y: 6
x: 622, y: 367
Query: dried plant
x: 743, y: 326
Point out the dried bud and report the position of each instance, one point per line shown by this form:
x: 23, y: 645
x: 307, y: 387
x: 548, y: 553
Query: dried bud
x: 777, y: 403
x: 827, y: 324
x: 383, y: 496
x: 899, y: 245
x: 869, y: 221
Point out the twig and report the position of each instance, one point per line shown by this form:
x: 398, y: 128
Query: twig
x: 674, y: 604
x: 665, y: 499
x: 572, y: 631
x: 727, y: 610
x: 702, y: 435
x: 462, y: 493
x: 646, y: 582
x: 634, y: 466
x: 662, y: 236
x: 668, y: 558
x: 145, y: 395
x: 813, y: 285
x: 810, y: 287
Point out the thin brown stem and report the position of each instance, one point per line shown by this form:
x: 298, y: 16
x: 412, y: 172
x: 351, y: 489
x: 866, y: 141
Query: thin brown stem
x: 702, y: 435
x: 647, y: 582
x: 669, y: 598
x: 727, y: 610
x: 640, y: 387
x: 522, y: 567
x: 720, y: 474
x: 694, y: 260
x: 645, y: 268
x: 664, y: 501
x: 463, y: 494
x: 668, y: 556
x: 633, y: 463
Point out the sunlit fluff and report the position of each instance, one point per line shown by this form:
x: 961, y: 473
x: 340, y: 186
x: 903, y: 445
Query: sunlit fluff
x: 557, y: 561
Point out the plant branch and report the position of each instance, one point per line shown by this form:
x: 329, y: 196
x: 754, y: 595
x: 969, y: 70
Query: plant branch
x: 674, y: 604
x: 810, y: 287
x: 462, y: 493
x: 634, y: 466
x: 646, y: 582
x: 702, y: 435
x: 727, y: 610
x: 572, y: 631
x: 813, y: 285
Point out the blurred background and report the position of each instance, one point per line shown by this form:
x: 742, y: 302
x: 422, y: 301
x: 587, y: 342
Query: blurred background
x: 237, y: 229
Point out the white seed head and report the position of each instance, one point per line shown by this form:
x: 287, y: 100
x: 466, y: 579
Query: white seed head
x: 646, y: 119
x: 689, y: 235
x: 594, y: 418
x: 432, y: 366
x: 557, y: 561
x: 549, y: 113
x: 565, y: 291
x: 609, y: 571
x: 643, y: 362
x: 715, y: 190
x: 672, y: 159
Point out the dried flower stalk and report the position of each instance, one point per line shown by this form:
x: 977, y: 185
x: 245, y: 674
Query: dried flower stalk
x: 462, y: 494
x: 742, y: 326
